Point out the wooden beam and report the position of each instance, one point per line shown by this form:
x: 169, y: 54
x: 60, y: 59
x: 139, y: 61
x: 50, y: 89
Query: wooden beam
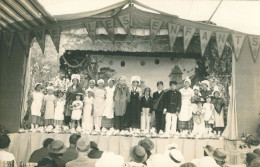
x: 41, y: 9
x: 10, y: 21
x: 5, y: 25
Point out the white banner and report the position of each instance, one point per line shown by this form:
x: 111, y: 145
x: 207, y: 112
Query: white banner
x: 221, y: 39
x: 238, y: 40
x: 155, y: 26
x: 254, y: 45
x: 187, y: 35
x: 173, y: 30
x: 204, y: 40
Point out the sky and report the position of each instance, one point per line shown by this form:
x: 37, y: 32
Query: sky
x: 239, y: 15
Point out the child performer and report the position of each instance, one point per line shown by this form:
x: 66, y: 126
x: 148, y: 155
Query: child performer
x: 77, y: 106
x: 198, y: 118
x: 209, y: 114
x: 37, y: 105
x: 108, y: 114
x: 87, y: 119
x: 59, y: 110
x: 205, y: 91
x: 49, y: 103
x: 99, y: 104
x: 172, y: 107
x: 219, y: 106
x: 146, y: 106
x: 196, y: 94
x: 133, y: 112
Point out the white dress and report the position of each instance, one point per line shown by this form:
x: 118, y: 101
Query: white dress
x: 87, y: 119
x: 59, y: 109
x: 209, y: 111
x: 49, y: 106
x: 109, y: 109
x: 37, y: 103
x: 99, y: 102
x: 76, y: 111
x: 186, y: 108
x: 199, y: 124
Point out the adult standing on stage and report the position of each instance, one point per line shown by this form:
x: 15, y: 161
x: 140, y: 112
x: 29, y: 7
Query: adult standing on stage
x: 205, y: 91
x: 121, y: 97
x: 158, y: 106
x: 185, y: 116
x: 70, y: 96
x: 133, y: 111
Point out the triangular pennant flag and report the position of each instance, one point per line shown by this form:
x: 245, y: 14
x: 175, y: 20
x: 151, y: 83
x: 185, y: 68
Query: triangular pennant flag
x: 8, y: 39
x: 221, y: 38
x: 204, y: 40
x: 173, y: 30
x: 25, y: 40
x: 254, y: 41
x: 125, y: 21
x: 40, y: 36
x: 55, y: 36
x: 91, y: 28
x: 188, y: 33
x: 109, y: 26
x: 238, y: 40
x: 155, y: 26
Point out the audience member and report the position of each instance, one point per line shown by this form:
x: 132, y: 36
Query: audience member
x: 257, y: 151
x: 4, y: 154
x: 56, y: 150
x: 174, y: 157
x: 83, y: 146
x: 41, y: 153
x: 250, y: 157
x: 109, y: 159
x: 71, y: 152
x: 94, y: 153
x: 219, y: 155
x: 148, y: 145
x: 138, y: 157
x: 255, y: 163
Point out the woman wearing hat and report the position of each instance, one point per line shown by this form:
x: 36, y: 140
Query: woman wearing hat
x: 205, y: 91
x: 121, y: 97
x: 133, y: 111
x: 70, y: 96
x: 108, y: 114
x: 99, y: 104
x: 36, y: 106
x: 185, y: 116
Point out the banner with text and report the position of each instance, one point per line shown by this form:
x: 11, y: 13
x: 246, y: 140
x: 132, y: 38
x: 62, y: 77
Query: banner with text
x: 254, y: 41
x: 109, y: 26
x: 221, y: 39
x: 125, y: 21
x: 204, y: 40
x: 155, y: 26
x: 91, y: 28
x: 238, y: 40
x: 188, y: 33
x: 173, y: 30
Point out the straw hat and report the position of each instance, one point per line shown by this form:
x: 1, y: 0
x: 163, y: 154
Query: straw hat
x: 138, y: 154
x: 218, y: 154
x: 75, y: 76
x: 175, y: 157
x: 146, y: 143
x: 57, y: 147
x: 136, y: 78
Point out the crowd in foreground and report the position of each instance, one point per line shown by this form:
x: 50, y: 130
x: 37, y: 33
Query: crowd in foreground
x: 83, y: 152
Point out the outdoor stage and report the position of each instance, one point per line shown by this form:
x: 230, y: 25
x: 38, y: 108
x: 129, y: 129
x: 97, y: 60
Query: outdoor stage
x: 23, y: 144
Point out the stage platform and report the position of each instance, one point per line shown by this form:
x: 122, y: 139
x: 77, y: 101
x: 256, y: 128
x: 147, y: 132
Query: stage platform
x: 23, y: 144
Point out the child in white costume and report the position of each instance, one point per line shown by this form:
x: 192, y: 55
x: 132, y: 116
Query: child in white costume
x: 59, y: 110
x: 198, y: 118
x: 109, y: 109
x: 49, y: 103
x: 77, y: 106
x: 87, y: 118
x: 209, y: 114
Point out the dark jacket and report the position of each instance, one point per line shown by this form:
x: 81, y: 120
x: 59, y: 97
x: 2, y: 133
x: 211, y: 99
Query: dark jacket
x: 172, y: 101
x: 70, y: 154
x: 156, y: 96
x: 147, y: 103
x: 39, y: 154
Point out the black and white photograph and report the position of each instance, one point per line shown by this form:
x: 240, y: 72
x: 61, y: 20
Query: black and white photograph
x: 129, y: 83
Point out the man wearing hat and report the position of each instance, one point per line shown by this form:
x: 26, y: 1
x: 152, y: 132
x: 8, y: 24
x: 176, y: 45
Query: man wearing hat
x: 172, y: 107
x: 83, y: 150
x: 218, y: 154
x: 138, y: 157
x: 148, y: 145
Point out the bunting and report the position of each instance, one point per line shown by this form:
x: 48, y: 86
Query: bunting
x: 173, y: 30
x: 40, y: 36
x: 125, y: 21
x: 109, y: 26
x: 8, y: 39
x: 55, y: 36
x: 221, y: 41
x: 254, y: 45
x: 155, y: 26
x: 204, y: 40
x: 238, y: 40
x: 91, y: 28
x: 25, y: 40
x: 188, y: 33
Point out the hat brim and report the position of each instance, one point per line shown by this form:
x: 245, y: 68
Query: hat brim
x: 213, y: 156
x: 57, y: 152
x: 140, y: 143
x: 137, y: 159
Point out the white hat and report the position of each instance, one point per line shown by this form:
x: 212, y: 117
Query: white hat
x: 158, y: 160
x: 75, y: 76
x: 216, y: 89
x: 175, y: 157
x: 187, y: 80
x: 109, y: 159
x: 195, y: 87
x: 50, y: 88
x: 100, y: 81
x: 205, y: 162
x: 92, y: 80
x: 136, y: 78
x: 171, y: 146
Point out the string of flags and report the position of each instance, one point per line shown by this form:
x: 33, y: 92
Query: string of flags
x: 155, y: 25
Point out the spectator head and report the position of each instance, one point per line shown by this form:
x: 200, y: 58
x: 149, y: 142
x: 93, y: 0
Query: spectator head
x: 175, y: 157
x: 73, y: 139
x: 56, y: 147
x: 109, y: 159
x: 147, y: 144
x: 255, y: 163
x: 250, y: 157
x: 47, y: 142
x: 188, y: 164
x: 83, y: 144
x: 93, y: 145
x: 257, y: 151
x: 218, y: 154
x: 4, y: 141
x: 138, y: 154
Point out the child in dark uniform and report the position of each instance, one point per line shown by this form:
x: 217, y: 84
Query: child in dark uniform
x: 146, y: 106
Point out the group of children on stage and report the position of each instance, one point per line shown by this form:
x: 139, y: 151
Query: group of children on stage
x: 197, y: 110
